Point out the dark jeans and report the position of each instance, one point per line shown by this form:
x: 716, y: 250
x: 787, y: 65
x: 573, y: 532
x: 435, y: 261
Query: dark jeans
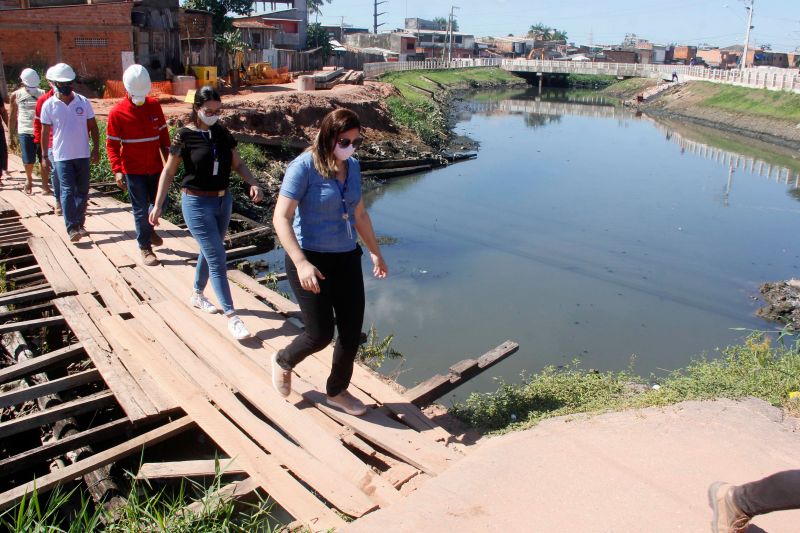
x: 3, y: 149
x: 54, y: 182
x: 142, y: 191
x: 73, y: 176
x: 207, y: 219
x: 340, y: 302
x: 778, y: 492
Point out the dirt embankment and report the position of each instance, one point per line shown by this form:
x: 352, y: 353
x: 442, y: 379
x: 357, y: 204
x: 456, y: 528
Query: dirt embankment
x: 687, y: 102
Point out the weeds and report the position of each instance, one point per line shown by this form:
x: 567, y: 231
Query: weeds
x: 756, y: 368
x: 374, y: 353
x: 760, y: 102
x: 3, y: 280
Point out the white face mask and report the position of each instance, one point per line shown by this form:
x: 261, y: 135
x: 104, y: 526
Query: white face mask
x: 208, y: 120
x: 138, y: 100
x: 343, y: 154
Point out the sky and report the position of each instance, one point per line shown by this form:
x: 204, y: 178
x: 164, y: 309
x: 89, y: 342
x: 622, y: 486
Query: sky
x: 716, y: 22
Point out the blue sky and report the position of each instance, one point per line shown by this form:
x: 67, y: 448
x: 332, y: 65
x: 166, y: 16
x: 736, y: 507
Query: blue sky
x: 717, y: 22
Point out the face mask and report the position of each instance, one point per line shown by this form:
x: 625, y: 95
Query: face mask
x: 208, y: 120
x: 64, y: 90
x: 138, y: 100
x: 343, y: 154
x: 31, y: 90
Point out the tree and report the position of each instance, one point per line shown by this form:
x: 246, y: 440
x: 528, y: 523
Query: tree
x: 441, y: 22
x: 315, y: 6
x: 232, y: 43
x: 220, y: 9
x: 546, y: 33
x: 317, y: 37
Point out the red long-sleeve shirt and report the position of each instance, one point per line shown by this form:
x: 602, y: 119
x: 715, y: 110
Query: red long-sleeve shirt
x: 37, y: 124
x: 134, y: 137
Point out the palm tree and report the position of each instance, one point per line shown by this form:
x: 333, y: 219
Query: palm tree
x: 315, y: 6
x: 538, y: 30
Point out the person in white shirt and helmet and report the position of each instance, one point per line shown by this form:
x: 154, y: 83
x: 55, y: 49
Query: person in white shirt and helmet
x: 23, y: 112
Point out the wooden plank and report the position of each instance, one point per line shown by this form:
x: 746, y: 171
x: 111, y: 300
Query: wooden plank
x: 45, y: 322
x: 51, y: 267
x: 54, y: 414
x: 437, y: 386
x: 141, y: 285
x: 18, y: 260
x: 284, y: 305
x: 69, y: 264
x: 43, y: 362
x: 287, y: 491
x: 109, y: 240
x: 39, y: 292
x: 53, y: 449
x: 12, y: 274
x: 17, y: 397
x: 131, y: 397
x: 236, y: 489
x: 319, y: 472
x: 7, y: 315
x: 188, y: 469
x: 79, y: 468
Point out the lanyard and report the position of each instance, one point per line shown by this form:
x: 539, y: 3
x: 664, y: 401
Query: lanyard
x: 215, y: 170
x: 342, y: 191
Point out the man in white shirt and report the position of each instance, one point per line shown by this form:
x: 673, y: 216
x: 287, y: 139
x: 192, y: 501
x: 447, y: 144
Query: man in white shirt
x: 71, y: 118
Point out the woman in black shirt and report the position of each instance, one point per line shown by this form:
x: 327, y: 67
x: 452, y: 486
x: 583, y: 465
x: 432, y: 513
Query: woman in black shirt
x: 208, y: 152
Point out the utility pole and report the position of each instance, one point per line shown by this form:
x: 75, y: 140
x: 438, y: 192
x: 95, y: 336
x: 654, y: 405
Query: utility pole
x: 375, y: 16
x: 747, y: 35
x: 341, y: 30
x: 450, y: 32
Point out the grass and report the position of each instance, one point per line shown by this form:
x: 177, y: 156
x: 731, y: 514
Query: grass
x: 425, y: 114
x: 597, y: 81
x: 755, y: 368
x: 759, y: 102
x: 629, y: 88
x: 146, y: 509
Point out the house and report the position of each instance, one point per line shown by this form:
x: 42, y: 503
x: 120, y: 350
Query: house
x: 399, y: 45
x: 340, y: 33
x: 684, y: 54
x: 100, y: 39
x: 720, y: 57
x: 434, y: 43
x: 286, y: 29
x: 650, y: 53
x: 618, y: 55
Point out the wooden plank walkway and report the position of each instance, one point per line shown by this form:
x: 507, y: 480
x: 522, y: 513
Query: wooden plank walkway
x: 157, y: 355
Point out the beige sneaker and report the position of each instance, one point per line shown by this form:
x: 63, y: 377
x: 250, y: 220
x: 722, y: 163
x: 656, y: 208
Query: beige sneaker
x: 347, y: 403
x: 728, y: 518
x: 281, y: 378
x: 149, y: 258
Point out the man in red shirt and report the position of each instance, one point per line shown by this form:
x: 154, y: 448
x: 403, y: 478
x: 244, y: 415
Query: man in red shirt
x: 47, y: 159
x: 137, y: 142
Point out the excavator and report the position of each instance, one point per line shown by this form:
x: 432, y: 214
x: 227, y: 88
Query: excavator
x: 260, y: 73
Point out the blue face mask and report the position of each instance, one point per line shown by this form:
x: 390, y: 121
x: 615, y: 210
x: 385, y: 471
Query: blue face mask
x: 64, y: 90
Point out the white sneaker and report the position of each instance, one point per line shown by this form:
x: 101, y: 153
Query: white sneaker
x: 238, y: 329
x: 201, y: 302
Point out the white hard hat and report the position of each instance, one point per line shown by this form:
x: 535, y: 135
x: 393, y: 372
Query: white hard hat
x: 29, y: 77
x: 136, y: 81
x: 61, y: 73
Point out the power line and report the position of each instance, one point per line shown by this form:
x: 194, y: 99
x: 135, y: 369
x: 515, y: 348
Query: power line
x: 375, y: 16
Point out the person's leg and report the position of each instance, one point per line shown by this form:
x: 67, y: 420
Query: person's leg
x: 82, y: 176
x: 778, y: 492
x: 28, y: 151
x: 139, y: 192
x: 66, y: 177
x: 42, y: 170
x: 197, y: 215
x: 215, y: 254
x: 317, y: 312
x: 347, y: 294
x: 3, y: 151
x: 54, y: 179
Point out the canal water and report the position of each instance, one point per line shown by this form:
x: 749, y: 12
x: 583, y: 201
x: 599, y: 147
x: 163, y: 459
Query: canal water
x: 581, y: 231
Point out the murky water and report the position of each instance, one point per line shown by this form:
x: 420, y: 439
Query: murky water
x: 582, y: 232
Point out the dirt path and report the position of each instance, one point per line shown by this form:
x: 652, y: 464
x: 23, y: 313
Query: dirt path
x: 636, y: 471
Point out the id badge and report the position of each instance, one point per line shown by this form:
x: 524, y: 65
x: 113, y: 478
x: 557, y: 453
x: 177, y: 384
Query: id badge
x: 216, y: 167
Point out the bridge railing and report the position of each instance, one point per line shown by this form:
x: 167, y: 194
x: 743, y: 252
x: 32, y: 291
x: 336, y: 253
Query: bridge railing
x: 375, y: 70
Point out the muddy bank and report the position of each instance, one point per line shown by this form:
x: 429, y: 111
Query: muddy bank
x: 686, y: 102
x: 782, y: 302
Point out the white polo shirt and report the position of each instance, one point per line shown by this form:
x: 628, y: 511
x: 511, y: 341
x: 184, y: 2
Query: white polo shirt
x: 70, y: 132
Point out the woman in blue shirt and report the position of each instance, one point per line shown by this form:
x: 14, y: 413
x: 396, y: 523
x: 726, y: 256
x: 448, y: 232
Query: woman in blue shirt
x: 317, y: 215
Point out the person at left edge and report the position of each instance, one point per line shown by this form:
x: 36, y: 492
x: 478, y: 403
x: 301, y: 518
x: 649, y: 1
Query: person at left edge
x: 23, y: 111
x: 208, y: 152
x: 137, y: 142
x: 71, y: 118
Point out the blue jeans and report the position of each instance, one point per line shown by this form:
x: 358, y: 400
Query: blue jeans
x: 73, y: 175
x: 54, y: 176
x: 142, y: 191
x: 207, y: 219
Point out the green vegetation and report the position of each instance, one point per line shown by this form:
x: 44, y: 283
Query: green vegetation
x: 3, y: 281
x: 595, y: 81
x: 755, y: 368
x: 146, y: 509
x: 544, y: 32
x: 759, y: 102
x: 629, y: 88
x: 317, y: 37
x: 374, y: 353
x: 422, y: 106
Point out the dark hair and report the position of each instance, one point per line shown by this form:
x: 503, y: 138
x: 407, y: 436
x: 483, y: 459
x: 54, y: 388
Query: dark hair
x: 201, y: 96
x: 334, y: 124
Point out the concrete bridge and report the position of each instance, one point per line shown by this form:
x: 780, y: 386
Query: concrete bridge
x: 512, y: 106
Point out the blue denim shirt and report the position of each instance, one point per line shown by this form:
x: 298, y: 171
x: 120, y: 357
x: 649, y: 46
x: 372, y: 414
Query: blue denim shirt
x: 318, y: 222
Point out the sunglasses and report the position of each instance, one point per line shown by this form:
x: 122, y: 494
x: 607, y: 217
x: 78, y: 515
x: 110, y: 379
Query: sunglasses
x: 344, y: 143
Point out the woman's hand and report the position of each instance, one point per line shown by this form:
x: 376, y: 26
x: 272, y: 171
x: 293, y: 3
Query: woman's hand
x: 256, y: 194
x: 308, y: 274
x: 155, y: 214
x: 379, y: 269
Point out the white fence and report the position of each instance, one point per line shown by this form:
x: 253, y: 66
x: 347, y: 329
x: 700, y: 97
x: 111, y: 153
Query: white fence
x: 762, y: 78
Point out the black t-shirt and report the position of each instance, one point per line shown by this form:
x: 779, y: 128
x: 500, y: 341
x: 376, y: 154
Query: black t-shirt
x: 199, y: 149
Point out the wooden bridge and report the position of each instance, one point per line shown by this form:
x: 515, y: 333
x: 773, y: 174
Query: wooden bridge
x: 154, y: 368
